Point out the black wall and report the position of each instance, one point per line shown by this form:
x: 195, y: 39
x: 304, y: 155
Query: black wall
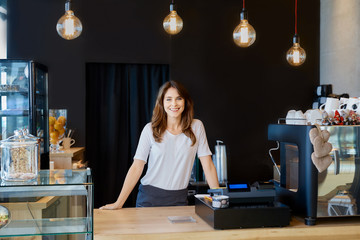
x: 237, y: 92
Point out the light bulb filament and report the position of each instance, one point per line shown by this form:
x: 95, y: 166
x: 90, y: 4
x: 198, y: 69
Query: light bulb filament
x: 173, y: 23
x: 296, y: 56
x: 69, y: 26
x: 244, y: 35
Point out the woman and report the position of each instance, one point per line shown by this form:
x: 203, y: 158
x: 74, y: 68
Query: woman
x: 169, y: 143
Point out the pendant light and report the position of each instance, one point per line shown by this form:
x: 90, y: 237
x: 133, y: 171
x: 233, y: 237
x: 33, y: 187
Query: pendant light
x: 296, y: 55
x: 69, y: 26
x: 244, y: 34
x: 173, y: 23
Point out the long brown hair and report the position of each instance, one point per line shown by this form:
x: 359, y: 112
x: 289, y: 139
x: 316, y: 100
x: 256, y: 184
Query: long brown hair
x: 159, y: 118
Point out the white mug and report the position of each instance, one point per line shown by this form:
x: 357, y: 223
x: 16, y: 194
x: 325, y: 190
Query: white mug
x: 67, y: 142
x: 343, y: 102
x: 290, y: 117
x: 301, y: 118
x: 313, y: 116
x: 353, y: 104
x: 330, y: 105
x: 295, y: 117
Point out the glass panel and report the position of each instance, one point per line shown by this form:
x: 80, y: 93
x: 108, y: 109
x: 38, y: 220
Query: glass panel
x: 23, y: 105
x: 40, y: 78
x: 53, y: 177
x: 36, y: 222
x: 48, y: 215
x: 292, y: 167
x: 41, y: 108
x: 338, y: 188
x: 59, y: 202
x: 10, y: 123
x: 14, y: 93
x: 3, y: 29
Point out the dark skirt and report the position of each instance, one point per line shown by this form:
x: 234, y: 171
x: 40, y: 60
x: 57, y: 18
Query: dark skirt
x: 150, y: 196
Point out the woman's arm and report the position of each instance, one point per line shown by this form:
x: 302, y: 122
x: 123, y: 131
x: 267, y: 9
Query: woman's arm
x: 210, y: 171
x: 132, y: 177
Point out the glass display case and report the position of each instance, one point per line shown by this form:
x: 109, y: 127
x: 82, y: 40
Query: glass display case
x: 339, y: 186
x: 58, y: 205
x: 24, y: 101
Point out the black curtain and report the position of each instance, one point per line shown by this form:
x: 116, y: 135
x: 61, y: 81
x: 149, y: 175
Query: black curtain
x: 119, y: 102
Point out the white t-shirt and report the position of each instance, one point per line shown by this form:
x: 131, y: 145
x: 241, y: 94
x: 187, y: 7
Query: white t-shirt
x: 171, y: 161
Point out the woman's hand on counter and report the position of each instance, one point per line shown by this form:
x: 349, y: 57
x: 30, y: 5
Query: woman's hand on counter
x: 111, y: 206
x: 132, y: 177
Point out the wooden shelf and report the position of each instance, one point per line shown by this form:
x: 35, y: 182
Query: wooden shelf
x: 65, y: 158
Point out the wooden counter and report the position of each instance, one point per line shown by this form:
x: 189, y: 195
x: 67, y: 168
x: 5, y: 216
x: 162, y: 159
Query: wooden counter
x: 153, y: 223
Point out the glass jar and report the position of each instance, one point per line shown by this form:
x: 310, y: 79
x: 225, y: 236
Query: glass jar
x: 19, y: 157
x: 57, y: 128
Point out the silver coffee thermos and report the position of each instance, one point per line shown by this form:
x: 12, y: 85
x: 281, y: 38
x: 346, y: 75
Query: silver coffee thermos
x: 220, y: 161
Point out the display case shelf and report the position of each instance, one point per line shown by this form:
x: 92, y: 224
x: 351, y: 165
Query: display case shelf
x: 14, y: 113
x: 49, y: 226
x: 26, y: 192
x: 57, y: 202
x: 22, y: 92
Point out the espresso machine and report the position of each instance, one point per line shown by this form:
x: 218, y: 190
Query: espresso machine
x: 310, y: 194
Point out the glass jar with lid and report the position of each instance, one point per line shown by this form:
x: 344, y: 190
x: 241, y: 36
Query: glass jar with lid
x: 19, y: 157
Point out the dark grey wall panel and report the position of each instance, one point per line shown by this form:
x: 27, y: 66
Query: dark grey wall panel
x: 237, y: 92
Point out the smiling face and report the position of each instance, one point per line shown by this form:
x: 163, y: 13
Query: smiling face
x: 174, y: 104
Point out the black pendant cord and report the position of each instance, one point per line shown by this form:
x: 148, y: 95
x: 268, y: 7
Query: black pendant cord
x: 296, y: 38
x: 243, y: 13
x: 295, y: 17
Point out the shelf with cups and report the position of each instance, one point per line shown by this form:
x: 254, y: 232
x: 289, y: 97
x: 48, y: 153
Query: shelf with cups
x: 57, y: 202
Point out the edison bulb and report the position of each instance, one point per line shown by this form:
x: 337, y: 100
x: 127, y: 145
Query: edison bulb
x: 244, y: 34
x: 69, y: 26
x: 296, y: 55
x: 173, y: 23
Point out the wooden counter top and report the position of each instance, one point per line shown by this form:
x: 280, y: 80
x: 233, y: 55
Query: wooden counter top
x: 153, y: 223
x: 71, y: 152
